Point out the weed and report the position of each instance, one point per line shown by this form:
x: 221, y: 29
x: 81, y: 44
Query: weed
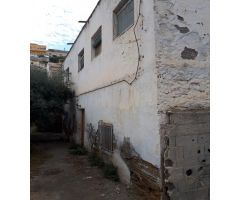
x: 109, y: 170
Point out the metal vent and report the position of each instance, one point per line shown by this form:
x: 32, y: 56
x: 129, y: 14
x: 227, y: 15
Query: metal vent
x: 106, y: 136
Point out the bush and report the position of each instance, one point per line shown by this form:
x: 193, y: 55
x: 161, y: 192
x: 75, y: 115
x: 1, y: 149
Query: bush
x: 48, y: 95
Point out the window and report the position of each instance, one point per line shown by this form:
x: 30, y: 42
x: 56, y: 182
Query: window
x: 81, y: 60
x: 123, y: 16
x: 106, y: 136
x: 97, y: 43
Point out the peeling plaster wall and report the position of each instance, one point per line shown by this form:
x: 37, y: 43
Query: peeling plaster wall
x: 182, y: 63
x: 131, y: 109
x: 182, y: 53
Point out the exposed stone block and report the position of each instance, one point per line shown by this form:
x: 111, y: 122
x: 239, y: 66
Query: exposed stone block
x: 189, y: 171
x: 194, y: 151
x: 174, y: 153
x: 189, y: 117
x: 198, y: 194
x: 191, y: 129
x: 188, y: 140
x: 203, y: 139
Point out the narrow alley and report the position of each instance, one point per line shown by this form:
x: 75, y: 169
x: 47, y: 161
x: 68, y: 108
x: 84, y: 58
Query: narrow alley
x: 58, y: 175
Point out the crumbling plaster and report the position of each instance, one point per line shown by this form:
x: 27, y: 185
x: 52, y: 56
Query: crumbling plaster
x: 182, y: 53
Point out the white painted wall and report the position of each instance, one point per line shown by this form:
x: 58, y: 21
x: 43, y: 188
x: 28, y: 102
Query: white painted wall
x: 131, y: 109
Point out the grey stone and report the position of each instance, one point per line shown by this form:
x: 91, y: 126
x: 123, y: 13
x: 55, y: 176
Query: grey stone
x: 191, y: 129
x: 189, y: 117
x: 188, y: 140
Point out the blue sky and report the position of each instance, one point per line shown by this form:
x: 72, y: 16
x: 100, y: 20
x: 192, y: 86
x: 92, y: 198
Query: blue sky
x: 55, y: 22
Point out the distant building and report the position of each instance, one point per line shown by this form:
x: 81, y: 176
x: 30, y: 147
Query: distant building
x: 38, y: 56
x: 36, y: 49
x: 56, y: 58
x: 58, y: 53
x: 50, y: 60
x: 39, y: 62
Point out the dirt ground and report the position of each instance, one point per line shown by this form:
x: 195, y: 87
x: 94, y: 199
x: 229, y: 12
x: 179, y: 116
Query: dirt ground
x: 58, y: 175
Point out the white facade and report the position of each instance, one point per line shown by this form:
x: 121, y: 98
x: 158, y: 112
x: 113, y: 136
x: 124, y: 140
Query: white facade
x: 132, y: 109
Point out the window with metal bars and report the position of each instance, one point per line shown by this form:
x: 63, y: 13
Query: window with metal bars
x: 106, y: 136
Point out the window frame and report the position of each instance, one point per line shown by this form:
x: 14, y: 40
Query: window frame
x: 81, y: 58
x: 95, y: 47
x: 119, y: 8
x: 106, y: 137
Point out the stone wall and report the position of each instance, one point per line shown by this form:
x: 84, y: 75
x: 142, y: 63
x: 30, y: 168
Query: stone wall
x: 186, y: 156
x: 182, y: 53
x: 182, y: 50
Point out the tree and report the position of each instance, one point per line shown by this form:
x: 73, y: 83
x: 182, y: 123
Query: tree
x: 48, y: 94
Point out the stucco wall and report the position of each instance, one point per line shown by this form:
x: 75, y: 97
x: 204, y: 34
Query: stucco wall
x: 131, y: 109
x: 182, y: 53
x: 118, y: 59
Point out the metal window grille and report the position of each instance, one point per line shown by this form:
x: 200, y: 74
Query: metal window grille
x: 106, y: 136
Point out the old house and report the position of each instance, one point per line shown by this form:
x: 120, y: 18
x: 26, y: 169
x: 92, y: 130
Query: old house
x: 38, y: 56
x: 56, y: 58
x: 140, y: 73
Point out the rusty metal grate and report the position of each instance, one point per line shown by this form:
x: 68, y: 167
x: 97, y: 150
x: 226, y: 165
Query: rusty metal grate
x: 106, y: 136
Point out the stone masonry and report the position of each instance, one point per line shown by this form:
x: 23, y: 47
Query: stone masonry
x: 186, y: 156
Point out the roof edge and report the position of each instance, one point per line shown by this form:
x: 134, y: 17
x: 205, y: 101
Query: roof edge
x: 99, y: 1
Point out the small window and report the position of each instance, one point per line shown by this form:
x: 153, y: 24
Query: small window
x: 106, y: 136
x: 81, y: 60
x: 123, y: 16
x: 97, y: 43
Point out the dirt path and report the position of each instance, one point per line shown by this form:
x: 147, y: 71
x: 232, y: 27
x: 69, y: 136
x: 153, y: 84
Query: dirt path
x: 57, y: 175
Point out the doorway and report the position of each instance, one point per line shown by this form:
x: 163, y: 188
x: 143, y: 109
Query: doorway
x: 81, y: 125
